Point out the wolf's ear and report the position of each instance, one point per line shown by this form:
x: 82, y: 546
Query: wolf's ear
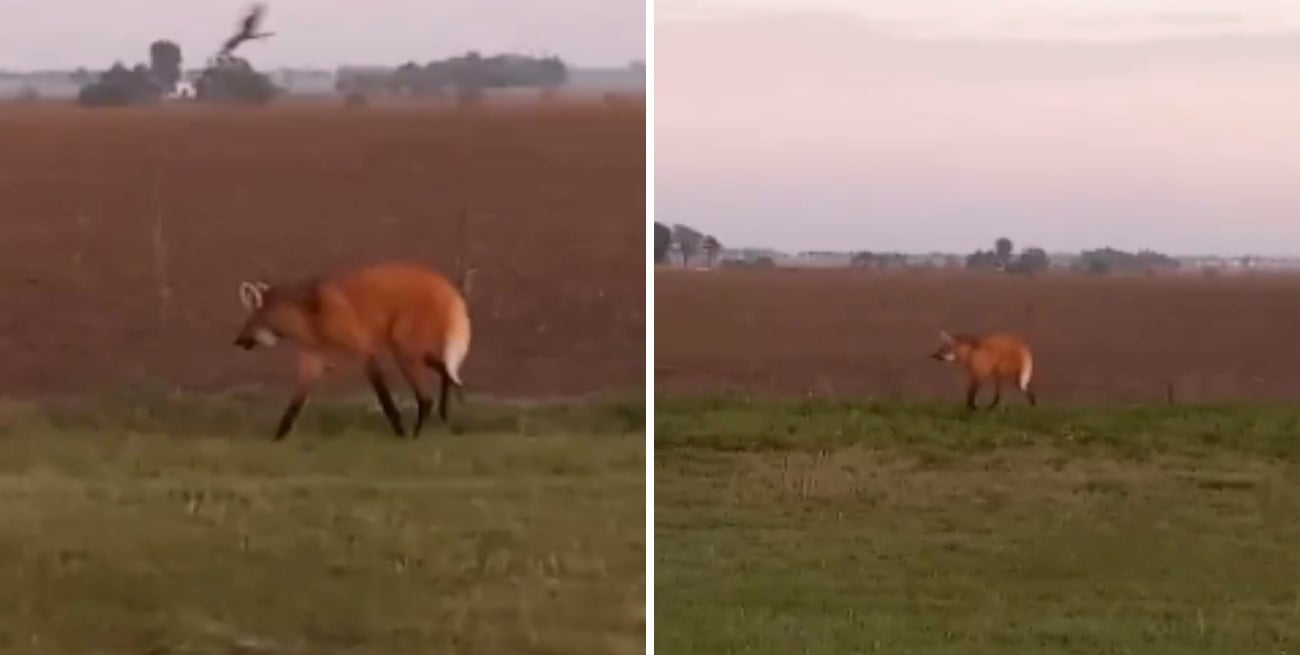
x: 253, y: 294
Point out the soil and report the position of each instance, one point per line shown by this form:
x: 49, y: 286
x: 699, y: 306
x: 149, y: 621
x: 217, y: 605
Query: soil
x: 1097, y: 339
x: 127, y: 233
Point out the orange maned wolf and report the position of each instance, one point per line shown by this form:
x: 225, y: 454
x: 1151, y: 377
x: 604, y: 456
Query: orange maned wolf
x: 411, y: 311
x: 997, y: 357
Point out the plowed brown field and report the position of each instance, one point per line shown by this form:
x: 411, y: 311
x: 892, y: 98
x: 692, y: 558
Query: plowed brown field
x: 1096, y: 339
x: 126, y: 233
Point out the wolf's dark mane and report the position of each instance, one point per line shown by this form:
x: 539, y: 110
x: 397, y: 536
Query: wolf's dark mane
x: 305, y: 292
x: 965, y: 337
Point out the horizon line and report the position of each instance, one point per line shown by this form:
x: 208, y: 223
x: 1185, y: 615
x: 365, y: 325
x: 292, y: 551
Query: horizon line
x: 1050, y: 252
x: 5, y: 70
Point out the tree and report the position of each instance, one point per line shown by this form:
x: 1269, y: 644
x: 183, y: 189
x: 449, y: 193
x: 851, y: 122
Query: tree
x: 469, y: 78
x: 982, y: 260
x: 711, y: 249
x: 1004, y: 249
x: 139, y: 84
x: 688, y: 241
x: 1096, y: 264
x: 863, y: 259
x: 406, y: 80
x: 233, y: 80
x: 165, y: 63
x: 550, y: 73
x: 663, y: 238
x: 1032, y: 261
x: 878, y: 260
x: 119, y: 86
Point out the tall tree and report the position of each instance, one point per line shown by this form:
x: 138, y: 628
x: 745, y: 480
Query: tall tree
x: 711, y: 249
x: 663, y: 238
x: 165, y: 63
x: 688, y: 240
x: 1003, y: 248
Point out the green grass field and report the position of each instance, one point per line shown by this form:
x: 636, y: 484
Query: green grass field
x: 828, y: 527
x: 174, y: 526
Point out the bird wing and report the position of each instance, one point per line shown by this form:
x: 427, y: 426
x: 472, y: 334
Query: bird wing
x: 252, y: 19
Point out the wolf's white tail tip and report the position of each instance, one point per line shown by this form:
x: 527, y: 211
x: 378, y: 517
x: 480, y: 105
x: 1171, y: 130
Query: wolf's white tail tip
x: 1026, y: 373
x: 454, y: 357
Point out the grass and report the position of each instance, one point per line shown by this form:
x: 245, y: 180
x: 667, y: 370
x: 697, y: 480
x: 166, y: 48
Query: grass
x: 175, y: 526
x: 835, y: 527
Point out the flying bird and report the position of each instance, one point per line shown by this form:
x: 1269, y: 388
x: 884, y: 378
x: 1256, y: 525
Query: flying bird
x: 247, y: 30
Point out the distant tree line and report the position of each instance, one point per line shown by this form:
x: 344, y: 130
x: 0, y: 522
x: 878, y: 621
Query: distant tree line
x: 1035, y: 260
x: 1110, y: 260
x: 686, y: 243
x: 225, y: 79
x: 878, y: 260
x: 467, y: 76
x: 1100, y: 261
x: 1003, y: 258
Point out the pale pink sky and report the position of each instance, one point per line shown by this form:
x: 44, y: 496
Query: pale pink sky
x: 69, y: 33
x: 929, y: 125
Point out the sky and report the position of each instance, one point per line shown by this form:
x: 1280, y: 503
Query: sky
x: 925, y: 125
x: 65, y: 34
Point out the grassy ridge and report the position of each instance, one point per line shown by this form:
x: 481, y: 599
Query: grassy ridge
x: 176, y: 526
x: 835, y: 527
x: 255, y: 415
x: 740, y: 423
